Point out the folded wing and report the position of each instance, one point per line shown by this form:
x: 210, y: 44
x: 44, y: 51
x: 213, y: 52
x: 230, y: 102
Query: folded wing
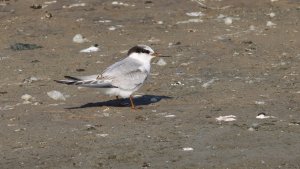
x: 126, y: 74
x: 92, y: 81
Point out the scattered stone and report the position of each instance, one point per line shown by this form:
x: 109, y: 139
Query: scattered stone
x: 7, y: 107
x: 272, y: 14
x: 170, y: 115
x: 178, y: 83
x: 270, y: 24
x: 24, y: 46
x: 101, y: 135
x: 255, y: 126
x: 104, y: 21
x: 221, y: 16
x: 112, y: 28
x: 264, y: 116
x: 194, y: 14
x: 27, y: 98
x: 120, y: 3
x: 30, y: 79
x: 252, y: 28
x: 187, y: 149
x: 50, y: 2
x: 160, y: 22
x: 106, y: 114
x: 93, y: 48
x: 228, y: 20
x: 20, y: 129
x: 90, y: 128
x: 202, y: 5
x: 56, y: 95
x: 209, y: 83
x: 260, y: 102
x: 161, y: 62
x: 190, y: 21
x: 48, y: 15
x: 226, y: 118
x: 36, y: 6
x: 75, y: 5
x: 153, y: 39
x: 185, y: 64
x: 78, y: 38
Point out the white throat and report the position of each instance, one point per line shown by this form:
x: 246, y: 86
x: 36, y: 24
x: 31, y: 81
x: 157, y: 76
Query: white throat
x: 144, y: 58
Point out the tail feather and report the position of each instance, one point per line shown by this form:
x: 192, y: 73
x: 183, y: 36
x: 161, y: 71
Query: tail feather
x: 93, y: 83
x: 68, y: 82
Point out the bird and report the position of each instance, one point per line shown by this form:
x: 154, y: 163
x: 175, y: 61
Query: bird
x: 122, y: 78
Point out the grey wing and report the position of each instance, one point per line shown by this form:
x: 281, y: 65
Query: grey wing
x: 122, y: 67
x: 130, y: 80
x: 93, y: 81
x: 126, y: 74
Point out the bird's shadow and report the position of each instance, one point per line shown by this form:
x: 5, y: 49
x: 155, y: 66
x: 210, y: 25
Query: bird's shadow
x: 139, y: 101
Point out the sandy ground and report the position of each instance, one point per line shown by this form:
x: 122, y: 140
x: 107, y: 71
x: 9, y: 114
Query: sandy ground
x: 228, y: 61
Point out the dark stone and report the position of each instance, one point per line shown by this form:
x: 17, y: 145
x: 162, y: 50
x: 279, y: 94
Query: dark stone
x: 24, y: 46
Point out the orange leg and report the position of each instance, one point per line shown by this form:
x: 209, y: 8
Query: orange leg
x: 131, y: 101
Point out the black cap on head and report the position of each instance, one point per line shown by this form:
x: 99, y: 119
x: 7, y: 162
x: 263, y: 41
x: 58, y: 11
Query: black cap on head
x: 138, y: 49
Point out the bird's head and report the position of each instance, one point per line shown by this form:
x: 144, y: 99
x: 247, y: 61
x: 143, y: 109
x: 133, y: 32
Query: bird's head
x: 143, y: 51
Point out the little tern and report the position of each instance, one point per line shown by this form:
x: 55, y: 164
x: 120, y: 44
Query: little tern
x: 122, y: 78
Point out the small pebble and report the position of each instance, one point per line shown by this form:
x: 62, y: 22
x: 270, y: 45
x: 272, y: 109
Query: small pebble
x: 112, y: 28
x: 101, y: 135
x: 263, y: 116
x: 78, y: 38
x: 93, y: 48
x: 272, y: 14
x: 190, y: 21
x: 254, y: 125
x: 26, y: 97
x: 221, y: 16
x: 260, y: 102
x: 178, y: 83
x: 187, y: 149
x: 48, y: 15
x: 252, y: 27
x: 194, y: 14
x: 170, y: 115
x: 36, y: 6
x: 209, y: 83
x: 30, y: 79
x: 251, y: 129
x: 161, y: 62
x: 226, y: 118
x: 75, y: 5
x: 270, y: 24
x: 106, y: 114
x: 56, y: 95
x: 228, y: 20
x: 160, y: 22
